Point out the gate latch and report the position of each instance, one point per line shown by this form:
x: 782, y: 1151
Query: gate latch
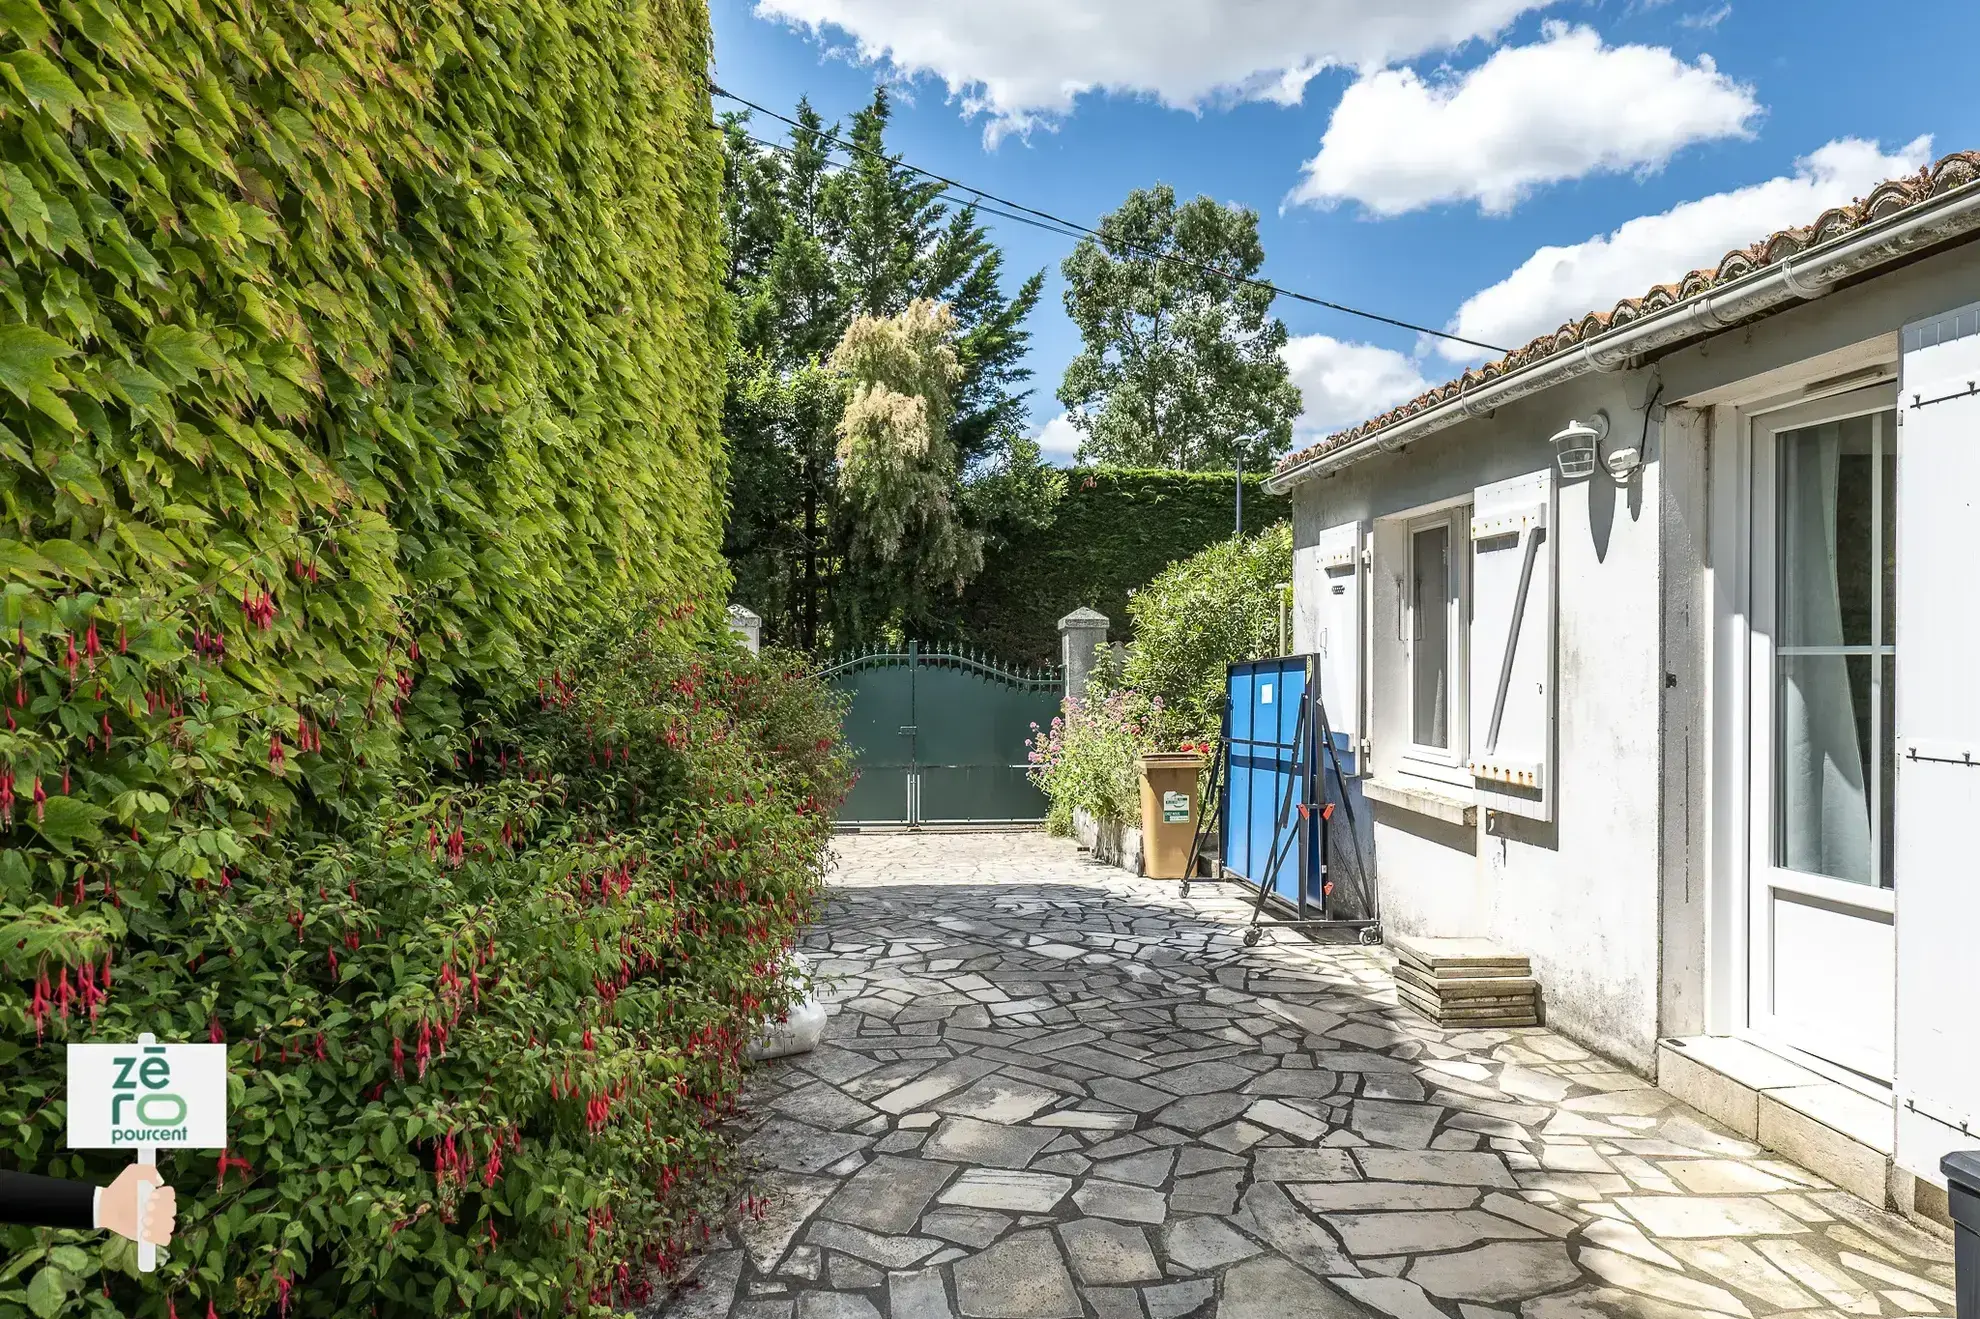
x: 908, y: 730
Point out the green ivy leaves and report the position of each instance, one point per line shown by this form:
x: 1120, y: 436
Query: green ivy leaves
x: 354, y: 359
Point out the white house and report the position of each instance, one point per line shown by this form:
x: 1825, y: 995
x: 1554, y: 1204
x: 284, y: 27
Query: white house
x: 1694, y: 719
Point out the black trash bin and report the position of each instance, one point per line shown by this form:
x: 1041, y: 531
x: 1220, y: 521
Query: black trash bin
x: 1962, y: 1172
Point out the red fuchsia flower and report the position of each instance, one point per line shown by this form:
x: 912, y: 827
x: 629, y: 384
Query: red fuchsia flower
x: 277, y: 756
x: 40, y: 800
x: 38, y: 1006
x: 6, y: 796
x: 228, y: 1161
x: 213, y: 1031
x: 398, y: 1057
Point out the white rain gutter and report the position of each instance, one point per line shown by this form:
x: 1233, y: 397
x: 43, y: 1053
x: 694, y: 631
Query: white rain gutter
x: 1799, y: 278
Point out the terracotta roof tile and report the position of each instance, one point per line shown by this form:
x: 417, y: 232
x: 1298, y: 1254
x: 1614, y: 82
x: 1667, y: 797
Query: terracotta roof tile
x: 1887, y: 198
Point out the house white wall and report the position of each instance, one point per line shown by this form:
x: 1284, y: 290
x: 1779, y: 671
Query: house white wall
x: 1629, y: 901
x: 1579, y: 894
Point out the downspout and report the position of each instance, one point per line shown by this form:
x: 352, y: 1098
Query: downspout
x: 1800, y: 278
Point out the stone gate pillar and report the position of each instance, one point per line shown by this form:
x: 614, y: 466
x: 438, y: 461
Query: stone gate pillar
x: 1081, y: 632
x: 747, y: 624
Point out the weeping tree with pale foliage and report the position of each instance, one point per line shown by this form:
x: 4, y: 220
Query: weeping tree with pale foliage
x: 905, y: 540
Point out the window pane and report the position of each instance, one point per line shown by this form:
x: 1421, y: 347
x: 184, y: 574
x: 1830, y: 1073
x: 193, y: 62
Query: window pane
x: 1430, y: 631
x: 1821, y: 762
x: 1825, y: 535
x: 1888, y: 459
x: 1887, y: 770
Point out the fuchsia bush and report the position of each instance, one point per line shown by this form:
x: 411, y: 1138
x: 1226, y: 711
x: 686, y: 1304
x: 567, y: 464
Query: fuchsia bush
x: 480, y: 1040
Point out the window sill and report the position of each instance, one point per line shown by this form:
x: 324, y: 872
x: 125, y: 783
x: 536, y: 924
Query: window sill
x: 1423, y: 799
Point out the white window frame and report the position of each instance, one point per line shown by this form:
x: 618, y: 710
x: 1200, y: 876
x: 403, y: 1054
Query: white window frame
x: 1444, y: 764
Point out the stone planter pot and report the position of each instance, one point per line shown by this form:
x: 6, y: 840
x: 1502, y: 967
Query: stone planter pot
x: 1116, y: 844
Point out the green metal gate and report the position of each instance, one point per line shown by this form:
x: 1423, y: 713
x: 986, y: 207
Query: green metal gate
x: 939, y: 736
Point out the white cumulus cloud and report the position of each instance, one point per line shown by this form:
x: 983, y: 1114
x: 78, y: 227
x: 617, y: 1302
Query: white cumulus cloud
x: 1346, y: 383
x: 1564, y: 107
x: 1558, y: 284
x: 1058, y: 441
x: 1025, y: 62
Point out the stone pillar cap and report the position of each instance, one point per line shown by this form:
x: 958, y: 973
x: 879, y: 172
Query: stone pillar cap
x: 743, y: 614
x: 1084, y: 617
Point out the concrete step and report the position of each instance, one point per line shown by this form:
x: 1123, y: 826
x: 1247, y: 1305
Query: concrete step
x: 1833, y: 1131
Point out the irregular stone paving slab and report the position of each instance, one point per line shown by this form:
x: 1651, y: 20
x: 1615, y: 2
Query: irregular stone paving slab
x: 1391, y: 1296
x: 1625, y: 1271
x: 1272, y: 1288
x: 1048, y: 1088
x: 1136, y: 1204
x: 835, y: 1305
x: 988, y: 1144
x: 1021, y: 1277
x: 1409, y: 1232
x: 1502, y: 1271
x: 918, y: 1296
x: 1203, y: 1244
x: 1024, y: 1192
x: 888, y: 1194
x: 1105, y: 1252
x: 791, y: 1200
x: 889, y: 1252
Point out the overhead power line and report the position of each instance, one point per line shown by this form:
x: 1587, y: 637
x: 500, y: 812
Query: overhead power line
x: 981, y: 207
x: 1058, y: 224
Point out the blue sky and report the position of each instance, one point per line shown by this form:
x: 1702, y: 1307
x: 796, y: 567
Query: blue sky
x: 1493, y: 166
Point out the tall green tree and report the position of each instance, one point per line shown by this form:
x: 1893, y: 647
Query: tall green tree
x: 905, y: 538
x: 819, y: 235
x: 1181, y: 364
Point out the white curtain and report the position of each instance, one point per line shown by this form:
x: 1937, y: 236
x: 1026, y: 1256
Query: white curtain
x: 1825, y: 809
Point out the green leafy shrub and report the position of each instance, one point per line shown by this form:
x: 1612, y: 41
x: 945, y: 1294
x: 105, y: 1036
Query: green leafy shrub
x: 354, y: 360
x: 477, y: 1045
x: 1198, y: 617
x: 1090, y: 760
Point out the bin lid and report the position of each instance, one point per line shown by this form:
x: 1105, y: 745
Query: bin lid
x: 1962, y: 1167
x: 1174, y: 760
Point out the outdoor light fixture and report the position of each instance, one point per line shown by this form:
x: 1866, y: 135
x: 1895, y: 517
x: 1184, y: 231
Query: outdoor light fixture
x: 1574, y: 447
x: 1622, y: 463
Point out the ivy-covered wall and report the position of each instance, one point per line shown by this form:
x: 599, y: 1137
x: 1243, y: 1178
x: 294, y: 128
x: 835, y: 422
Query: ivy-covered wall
x: 356, y: 356
x: 1114, y: 530
x: 422, y: 295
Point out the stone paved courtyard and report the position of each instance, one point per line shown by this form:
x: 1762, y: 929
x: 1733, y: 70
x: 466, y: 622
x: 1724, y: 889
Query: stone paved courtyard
x: 1049, y: 1089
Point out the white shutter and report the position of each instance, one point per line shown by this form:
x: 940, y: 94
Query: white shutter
x: 1938, y: 742
x: 1511, y: 696
x: 1330, y: 598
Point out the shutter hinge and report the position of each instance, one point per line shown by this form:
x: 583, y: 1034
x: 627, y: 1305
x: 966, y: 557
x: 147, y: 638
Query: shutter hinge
x: 1940, y: 753
x: 1367, y: 747
x: 1972, y: 388
x: 1367, y: 557
x: 1943, y: 1116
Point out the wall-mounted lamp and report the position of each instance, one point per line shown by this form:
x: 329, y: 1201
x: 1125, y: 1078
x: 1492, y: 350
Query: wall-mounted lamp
x: 1574, y: 447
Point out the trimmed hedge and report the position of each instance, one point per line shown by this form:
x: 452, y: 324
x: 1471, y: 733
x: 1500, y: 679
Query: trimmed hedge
x: 356, y: 360
x: 1113, y: 531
